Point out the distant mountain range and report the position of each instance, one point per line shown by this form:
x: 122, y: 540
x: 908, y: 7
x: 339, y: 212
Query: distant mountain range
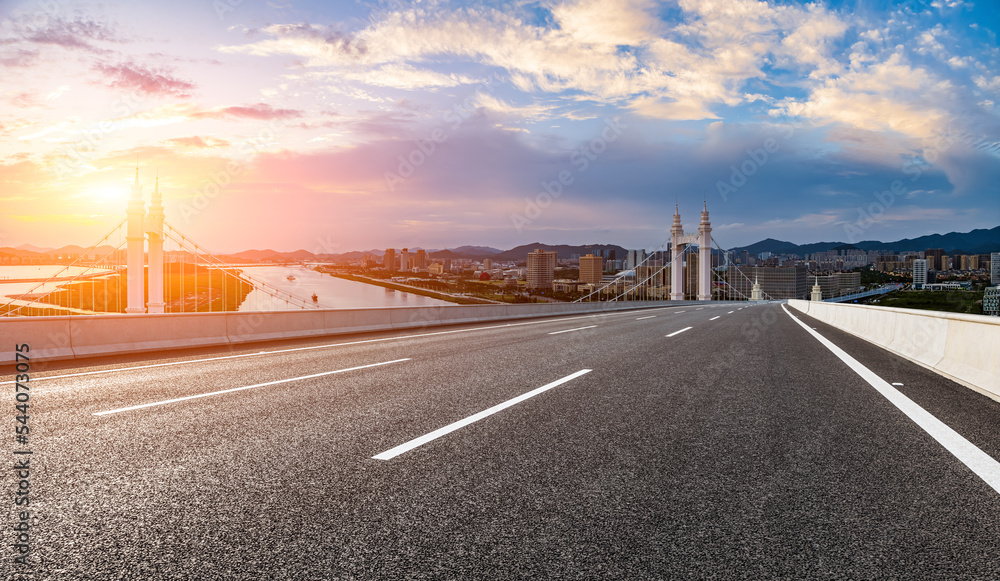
x: 980, y: 241
x: 975, y: 242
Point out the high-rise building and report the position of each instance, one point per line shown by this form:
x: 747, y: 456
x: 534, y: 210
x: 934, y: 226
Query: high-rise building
x: 652, y: 274
x: 487, y: 264
x: 404, y: 260
x: 591, y: 269
x: 935, y: 259
x: 447, y: 265
x: 634, y: 258
x: 389, y: 259
x: 991, y: 301
x: 420, y: 263
x: 781, y: 282
x: 541, y: 269
x: 920, y: 267
x: 995, y: 268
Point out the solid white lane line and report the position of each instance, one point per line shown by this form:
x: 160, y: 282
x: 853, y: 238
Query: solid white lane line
x: 348, y: 343
x: 981, y: 463
x: 569, y: 330
x: 649, y: 317
x: 392, y: 453
x: 715, y: 317
x: 679, y: 312
x: 165, y: 402
x: 679, y: 332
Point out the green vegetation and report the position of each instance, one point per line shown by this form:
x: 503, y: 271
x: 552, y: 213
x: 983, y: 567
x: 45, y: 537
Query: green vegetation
x: 970, y: 302
x: 872, y: 277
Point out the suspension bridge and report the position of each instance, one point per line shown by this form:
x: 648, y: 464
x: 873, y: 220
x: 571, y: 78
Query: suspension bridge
x: 175, y: 274
x: 117, y: 274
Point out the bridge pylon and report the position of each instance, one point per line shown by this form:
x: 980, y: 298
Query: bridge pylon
x: 136, y: 242
x: 679, y: 240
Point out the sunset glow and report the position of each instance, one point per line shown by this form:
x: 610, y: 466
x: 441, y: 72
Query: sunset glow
x: 346, y: 126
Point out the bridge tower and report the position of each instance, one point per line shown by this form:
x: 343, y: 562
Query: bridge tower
x: 704, y: 256
x: 154, y: 229
x: 817, y: 291
x: 757, y: 294
x: 677, y: 263
x: 136, y: 241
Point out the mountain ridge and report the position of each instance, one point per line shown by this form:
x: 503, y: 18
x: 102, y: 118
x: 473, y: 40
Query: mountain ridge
x: 978, y: 241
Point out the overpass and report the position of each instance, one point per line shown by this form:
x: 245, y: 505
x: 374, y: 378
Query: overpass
x: 691, y: 440
x: 884, y: 289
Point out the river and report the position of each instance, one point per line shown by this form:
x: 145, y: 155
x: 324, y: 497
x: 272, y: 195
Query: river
x: 332, y: 292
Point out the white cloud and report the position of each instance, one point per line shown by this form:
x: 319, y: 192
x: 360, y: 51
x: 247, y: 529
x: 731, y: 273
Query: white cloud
x: 890, y: 95
x: 403, y: 76
x: 621, y: 53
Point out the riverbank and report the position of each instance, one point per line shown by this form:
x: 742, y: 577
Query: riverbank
x: 414, y: 290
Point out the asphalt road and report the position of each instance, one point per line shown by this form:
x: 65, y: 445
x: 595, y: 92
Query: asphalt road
x: 739, y: 448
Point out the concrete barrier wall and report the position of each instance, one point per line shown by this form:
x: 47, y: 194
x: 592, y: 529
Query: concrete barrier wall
x: 964, y: 348
x: 71, y: 337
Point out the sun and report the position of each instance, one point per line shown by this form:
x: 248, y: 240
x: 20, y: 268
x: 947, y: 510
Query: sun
x: 107, y: 195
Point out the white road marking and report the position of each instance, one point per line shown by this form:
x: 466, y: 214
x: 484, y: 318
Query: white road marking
x: 730, y: 312
x: 982, y: 464
x: 897, y: 383
x: 569, y: 330
x: 679, y: 312
x: 715, y: 317
x: 649, y: 317
x: 331, y: 345
x: 165, y: 402
x: 679, y: 332
x: 392, y: 453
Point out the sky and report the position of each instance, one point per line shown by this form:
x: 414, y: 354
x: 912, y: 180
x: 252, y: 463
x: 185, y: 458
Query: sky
x: 350, y: 125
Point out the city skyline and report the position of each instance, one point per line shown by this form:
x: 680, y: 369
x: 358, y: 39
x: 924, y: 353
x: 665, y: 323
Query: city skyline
x: 333, y: 129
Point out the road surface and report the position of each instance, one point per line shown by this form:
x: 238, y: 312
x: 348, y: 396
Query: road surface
x: 717, y: 441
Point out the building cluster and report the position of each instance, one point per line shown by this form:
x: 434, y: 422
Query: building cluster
x: 701, y: 272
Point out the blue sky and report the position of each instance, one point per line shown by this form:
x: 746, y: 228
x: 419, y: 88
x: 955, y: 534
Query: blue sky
x: 350, y: 125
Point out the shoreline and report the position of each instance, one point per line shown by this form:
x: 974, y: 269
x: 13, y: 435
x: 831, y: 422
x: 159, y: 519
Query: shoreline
x: 414, y: 290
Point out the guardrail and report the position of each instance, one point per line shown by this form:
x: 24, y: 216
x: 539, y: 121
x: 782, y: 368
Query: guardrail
x: 75, y: 337
x: 963, y: 348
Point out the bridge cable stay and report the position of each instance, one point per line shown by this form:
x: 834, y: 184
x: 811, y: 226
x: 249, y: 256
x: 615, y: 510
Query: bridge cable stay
x: 725, y: 253
x: 33, y: 299
x: 615, y: 282
x: 196, y: 250
x: 671, y: 264
x: 730, y: 289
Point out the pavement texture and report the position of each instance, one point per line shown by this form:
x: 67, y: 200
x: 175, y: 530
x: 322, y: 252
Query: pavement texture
x: 741, y: 448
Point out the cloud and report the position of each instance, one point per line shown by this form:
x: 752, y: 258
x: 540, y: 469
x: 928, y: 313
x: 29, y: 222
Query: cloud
x: 79, y: 33
x: 19, y: 58
x: 260, y: 111
x: 609, y: 52
x: 890, y: 95
x: 534, y: 111
x: 403, y: 76
x: 198, y: 142
x: 131, y: 76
